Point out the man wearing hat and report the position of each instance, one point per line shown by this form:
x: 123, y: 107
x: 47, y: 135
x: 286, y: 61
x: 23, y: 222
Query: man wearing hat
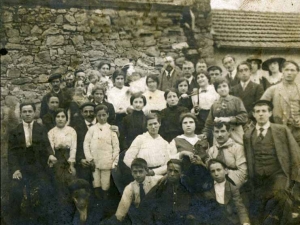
x: 229, y: 63
x: 285, y: 97
x: 55, y: 81
x: 273, y: 66
x: 256, y: 72
x: 273, y: 159
x: 169, y: 74
x: 214, y: 72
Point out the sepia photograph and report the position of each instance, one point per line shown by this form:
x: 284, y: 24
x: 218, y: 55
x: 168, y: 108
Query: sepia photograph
x: 150, y: 112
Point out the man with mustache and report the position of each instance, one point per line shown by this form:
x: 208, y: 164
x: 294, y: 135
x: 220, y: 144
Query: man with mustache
x: 188, y: 72
x: 169, y: 74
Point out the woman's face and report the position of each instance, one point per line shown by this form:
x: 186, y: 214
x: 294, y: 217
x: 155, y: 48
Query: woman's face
x: 183, y: 87
x: 202, y: 80
x: 274, y: 67
x: 79, y: 87
x: 254, y: 67
x: 138, y: 104
x: 188, y: 125
x: 53, y: 103
x: 223, y: 89
x: 152, y: 84
x: 104, y: 70
x: 119, y: 81
x: 98, y: 96
x: 61, y: 120
x: 172, y: 99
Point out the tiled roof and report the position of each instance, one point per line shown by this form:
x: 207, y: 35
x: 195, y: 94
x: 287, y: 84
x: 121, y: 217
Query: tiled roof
x: 245, y: 29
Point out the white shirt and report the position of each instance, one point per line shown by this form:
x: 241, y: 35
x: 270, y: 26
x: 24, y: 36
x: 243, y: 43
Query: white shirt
x: 205, y: 99
x: 232, y: 74
x: 220, y: 192
x: 169, y: 74
x: 155, y: 101
x: 88, y: 123
x: 28, y: 133
x: 120, y: 98
x: 244, y: 84
x: 190, y: 79
x: 265, y: 127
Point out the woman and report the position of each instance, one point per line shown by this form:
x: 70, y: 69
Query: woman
x: 204, y: 99
x: 99, y: 97
x: 49, y: 118
x: 185, y: 147
x: 182, y: 85
x: 257, y: 75
x: 104, y: 69
x: 273, y: 66
x: 228, y: 109
x: 170, y: 127
x: 78, y: 99
x: 155, y: 98
x: 63, y: 140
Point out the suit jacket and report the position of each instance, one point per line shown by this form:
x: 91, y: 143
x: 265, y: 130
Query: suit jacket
x: 279, y: 97
x: 251, y: 94
x: 287, y: 150
x: 233, y: 82
x: 164, y: 83
x: 232, y: 201
x: 17, y: 147
x: 81, y: 130
x: 193, y: 85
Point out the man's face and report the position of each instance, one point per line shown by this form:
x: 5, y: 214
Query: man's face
x: 221, y: 135
x: 289, y: 72
x: 262, y: 114
x: 229, y: 64
x: 88, y: 113
x: 55, y: 84
x: 213, y: 75
x: 80, y: 76
x: 188, y: 70
x: 139, y: 173
x: 70, y: 81
x: 53, y: 103
x: 218, y: 172
x: 244, y: 73
x: 173, y: 173
x: 169, y: 64
x: 27, y: 113
x: 153, y: 126
x: 201, y: 67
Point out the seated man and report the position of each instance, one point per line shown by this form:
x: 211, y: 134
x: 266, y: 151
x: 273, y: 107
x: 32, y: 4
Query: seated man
x: 223, y: 199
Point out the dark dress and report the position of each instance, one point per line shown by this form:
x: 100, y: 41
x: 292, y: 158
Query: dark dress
x: 49, y: 120
x: 170, y: 124
x: 186, y: 102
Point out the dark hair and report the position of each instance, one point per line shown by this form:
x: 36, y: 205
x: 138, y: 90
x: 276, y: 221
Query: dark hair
x: 138, y: 95
x: 180, y: 80
x: 214, y: 161
x: 188, y: 115
x: 279, y: 66
x: 101, y: 107
x: 59, y: 110
x: 175, y: 161
x: 201, y: 61
x: 262, y: 104
x: 27, y: 103
x: 219, y: 125
x: 228, y: 56
x: 205, y: 74
x: 220, y: 80
x: 78, y: 71
x: 258, y: 63
x: 153, y: 116
x: 118, y: 73
x: 211, y: 68
x: 52, y: 95
x: 171, y: 90
x: 97, y: 88
x: 244, y: 63
x: 139, y: 162
x: 154, y: 78
x: 78, y: 184
x: 102, y: 64
x: 290, y: 62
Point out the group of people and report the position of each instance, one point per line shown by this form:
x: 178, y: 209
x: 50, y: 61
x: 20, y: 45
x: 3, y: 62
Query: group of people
x: 187, y: 146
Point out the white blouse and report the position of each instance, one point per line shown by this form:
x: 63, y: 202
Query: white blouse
x: 205, y: 99
x: 155, y: 101
x: 120, y: 98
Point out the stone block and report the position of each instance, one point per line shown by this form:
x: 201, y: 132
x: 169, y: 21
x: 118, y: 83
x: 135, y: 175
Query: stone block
x: 53, y: 52
x: 43, y: 57
x: 43, y: 78
x: 22, y: 11
x: 179, y: 46
x: 62, y: 11
x: 11, y: 101
x: 12, y: 33
x: 31, y: 39
x: 5, y: 60
x: 69, y: 27
x: 55, y: 40
x: 77, y: 40
x: 13, y: 73
x: 100, y: 20
x: 152, y: 51
x: 120, y: 62
x: 164, y: 22
x: 60, y: 51
x: 70, y: 49
x: 37, y: 70
x: 93, y: 53
x: 21, y: 80
x: 51, y: 30
x: 15, y: 40
x: 124, y: 43
x: 59, y: 20
x: 26, y: 59
x: 70, y: 19
x: 36, y: 30
x: 159, y: 61
x: 130, y: 13
x: 25, y: 30
x: 61, y: 70
x: 81, y: 18
x: 84, y: 28
x: 7, y: 16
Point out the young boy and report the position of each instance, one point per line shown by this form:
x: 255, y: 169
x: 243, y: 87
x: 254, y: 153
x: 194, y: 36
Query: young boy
x: 93, y: 78
x: 135, y: 192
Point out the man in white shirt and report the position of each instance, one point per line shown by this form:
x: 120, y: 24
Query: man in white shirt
x: 229, y: 63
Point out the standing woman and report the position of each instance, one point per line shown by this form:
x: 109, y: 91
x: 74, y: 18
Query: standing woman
x: 104, y: 69
x: 182, y: 85
x: 204, y: 99
x: 273, y: 66
x: 170, y: 126
x: 256, y: 72
x: 78, y: 99
x: 154, y: 97
x: 228, y: 109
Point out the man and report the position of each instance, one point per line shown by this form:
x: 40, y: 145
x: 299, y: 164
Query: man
x: 70, y: 80
x: 29, y: 151
x: 230, y: 153
x: 188, y: 71
x: 214, y: 72
x: 169, y: 74
x: 273, y: 159
x: 201, y: 66
x: 224, y: 198
x: 80, y: 75
x: 229, y: 64
x: 55, y: 82
x: 285, y: 97
x: 247, y: 90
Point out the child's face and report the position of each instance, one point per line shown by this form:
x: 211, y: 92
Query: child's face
x: 139, y: 173
x: 183, y: 87
x: 218, y: 172
x: 138, y: 104
x: 98, y: 96
x: 102, y: 116
x: 119, y: 81
x: 93, y: 79
x: 135, y: 77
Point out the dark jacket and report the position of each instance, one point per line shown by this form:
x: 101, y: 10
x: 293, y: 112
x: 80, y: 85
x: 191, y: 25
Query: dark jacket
x: 165, y: 83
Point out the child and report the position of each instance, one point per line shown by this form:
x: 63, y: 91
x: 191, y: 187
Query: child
x: 93, y: 78
x: 101, y: 149
x: 135, y: 192
x: 137, y: 83
x: 185, y: 100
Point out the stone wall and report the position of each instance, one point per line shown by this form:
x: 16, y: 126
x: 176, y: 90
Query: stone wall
x: 42, y: 40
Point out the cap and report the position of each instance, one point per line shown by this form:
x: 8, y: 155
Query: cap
x: 54, y: 76
x: 87, y: 104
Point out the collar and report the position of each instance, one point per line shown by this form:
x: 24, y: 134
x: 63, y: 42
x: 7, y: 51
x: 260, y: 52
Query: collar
x: 222, y: 184
x: 144, y: 182
x: 266, y: 126
x: 228, y: 98
x: 56, y: 92
x: 26, y: 124
x: 171, y: 72
x: 246, y: 83
x: 93, y: 122
x: 274, y: 80
x: 233, y: 73
x: 190, y: 79
x: 228, y: 143
x: 149, y: 136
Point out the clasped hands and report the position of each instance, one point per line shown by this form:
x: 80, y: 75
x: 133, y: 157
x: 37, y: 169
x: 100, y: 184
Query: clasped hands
x: 195, y: 159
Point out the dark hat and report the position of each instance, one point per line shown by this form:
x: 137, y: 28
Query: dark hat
x: 78, y: 184
x: 214, y: 68
x: 54, y: 76
x: 254, y: 58
x: 265, y: 64
x: 87, y: 104
x: 265, y: 102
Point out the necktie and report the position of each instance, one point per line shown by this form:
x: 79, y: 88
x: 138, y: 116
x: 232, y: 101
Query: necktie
x: 261, y: 136
x: 29, y: 135
x: 142, y: 191
x: 220, y: 155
